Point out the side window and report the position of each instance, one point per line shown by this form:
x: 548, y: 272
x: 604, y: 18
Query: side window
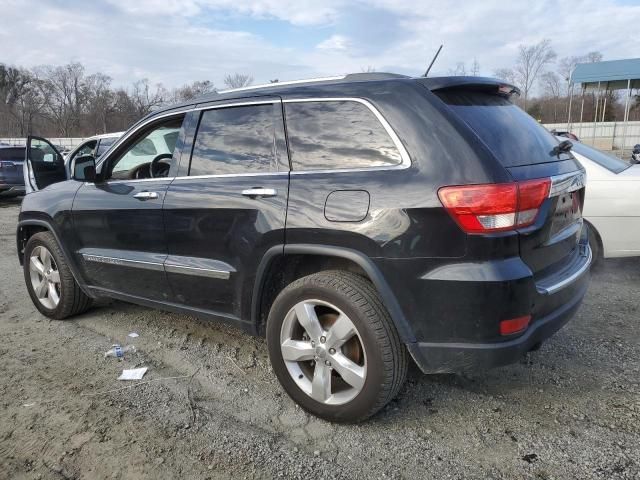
x: 104, y: 145
x: 337, y: 134
x: 135, y: 161
x: 87, y: 148
x: 235, y: 140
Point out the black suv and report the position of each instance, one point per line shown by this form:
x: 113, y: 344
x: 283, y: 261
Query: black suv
x: 354, y: 221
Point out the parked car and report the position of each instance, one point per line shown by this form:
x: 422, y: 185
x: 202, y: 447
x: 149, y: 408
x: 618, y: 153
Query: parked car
x: 11, y: 180
x: 389, y: 217
x: 95, y: 146
x: 611, y: 205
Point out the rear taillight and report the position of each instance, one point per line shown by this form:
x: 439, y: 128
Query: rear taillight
x: 495, y: 207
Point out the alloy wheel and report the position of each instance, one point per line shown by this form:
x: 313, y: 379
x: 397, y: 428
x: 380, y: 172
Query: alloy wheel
x: 323, y: 352
x: 45, y: 277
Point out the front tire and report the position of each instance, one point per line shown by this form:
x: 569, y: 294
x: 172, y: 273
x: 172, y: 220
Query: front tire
x: 334, y: 348
x: 49, y: 280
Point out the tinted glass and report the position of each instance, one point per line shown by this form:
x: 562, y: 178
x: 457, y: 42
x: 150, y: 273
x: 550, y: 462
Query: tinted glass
x: 12, y: 154
x: 235, y: 140
x: 337, y: 134
x: 513, y: 136
x: 86, y: 149
x: 611, y: 163
x: 104, y: 145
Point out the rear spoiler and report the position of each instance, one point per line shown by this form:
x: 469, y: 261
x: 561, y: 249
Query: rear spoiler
x: 486, y: 84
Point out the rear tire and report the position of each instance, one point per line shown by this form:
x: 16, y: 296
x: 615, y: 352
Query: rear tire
x: 354, y: 380
x: 49, y: 280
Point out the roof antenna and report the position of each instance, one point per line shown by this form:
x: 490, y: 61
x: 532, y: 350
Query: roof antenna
x: 433, y: 61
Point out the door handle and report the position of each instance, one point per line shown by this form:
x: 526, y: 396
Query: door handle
x: 259, y: 192
x: 146, y: 195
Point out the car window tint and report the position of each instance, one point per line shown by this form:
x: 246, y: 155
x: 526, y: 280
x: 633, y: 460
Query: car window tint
x: 337, y: 134
x: 12, y: 154
x: 235, y: 140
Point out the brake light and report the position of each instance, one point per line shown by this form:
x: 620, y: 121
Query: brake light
x: 495, y: 207
x: 514, y: 325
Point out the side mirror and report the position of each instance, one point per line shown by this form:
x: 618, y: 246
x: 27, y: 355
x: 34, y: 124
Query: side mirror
x: 84, y: 168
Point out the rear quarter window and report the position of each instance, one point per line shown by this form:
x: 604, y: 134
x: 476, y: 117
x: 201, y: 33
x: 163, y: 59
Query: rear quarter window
x: 513, y: 136
x: 337, y: 134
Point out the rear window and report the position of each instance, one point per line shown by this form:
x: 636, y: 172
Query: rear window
x: 513, y: 136
x: 611, y: 163
x: 12, y: 154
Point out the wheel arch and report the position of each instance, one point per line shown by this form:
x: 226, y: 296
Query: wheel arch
x: 29, y: 227
x: 269, y: 281
x: 593, y: 229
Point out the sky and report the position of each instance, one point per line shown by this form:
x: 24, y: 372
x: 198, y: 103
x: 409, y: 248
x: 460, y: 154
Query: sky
x: 176, y: 42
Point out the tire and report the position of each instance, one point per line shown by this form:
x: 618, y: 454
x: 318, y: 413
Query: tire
x: 596, y: 247
x: 71, y: 300
x: 376, y: 360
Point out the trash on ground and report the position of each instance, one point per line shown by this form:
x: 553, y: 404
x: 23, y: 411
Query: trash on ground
x: 133, y: 374
x: 118, y: 352
x: 133, y: 335
x: 28, y: 404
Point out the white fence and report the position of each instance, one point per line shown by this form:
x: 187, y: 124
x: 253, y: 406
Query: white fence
x: 604, y: 135
x: 65, y: 143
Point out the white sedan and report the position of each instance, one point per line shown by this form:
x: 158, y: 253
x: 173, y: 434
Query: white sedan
x: 612, y: 202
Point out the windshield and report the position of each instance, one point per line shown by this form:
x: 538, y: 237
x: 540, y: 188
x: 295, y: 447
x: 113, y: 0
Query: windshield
x: 513, y: 136
x: 611, y: 163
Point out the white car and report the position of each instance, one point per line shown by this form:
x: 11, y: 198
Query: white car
x: 612, y: 202
x: 94, y: 146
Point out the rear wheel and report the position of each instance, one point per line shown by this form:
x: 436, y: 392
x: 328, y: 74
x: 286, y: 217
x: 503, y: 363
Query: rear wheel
x: 49, y: 280
x: 334, y: 348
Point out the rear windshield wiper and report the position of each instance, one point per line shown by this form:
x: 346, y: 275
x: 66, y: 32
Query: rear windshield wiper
x: 563, y: 147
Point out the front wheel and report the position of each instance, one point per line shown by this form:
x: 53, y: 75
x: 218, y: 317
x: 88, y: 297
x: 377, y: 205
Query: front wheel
x: 49, y: 280
x: 334, y: 348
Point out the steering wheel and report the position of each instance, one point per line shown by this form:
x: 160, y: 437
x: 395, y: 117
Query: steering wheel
x: 156, y: 169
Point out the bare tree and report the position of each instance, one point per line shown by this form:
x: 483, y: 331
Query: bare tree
x: 145, y: 99
x: 552, y: 86
x: 532, y: 59
x: 368, y: 69
x: 65, y: 92
x: 100, y: 99
x: 593, y: 57
x: 506, y: 74
x: 475, y: 67
x: 238, y: 80
x: 193, y: 90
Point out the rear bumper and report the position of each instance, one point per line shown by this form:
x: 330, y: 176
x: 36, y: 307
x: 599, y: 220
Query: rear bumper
x: 555, y: 304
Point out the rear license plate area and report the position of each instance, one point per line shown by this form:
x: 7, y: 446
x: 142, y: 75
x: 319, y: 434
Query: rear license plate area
x: 568, y: 211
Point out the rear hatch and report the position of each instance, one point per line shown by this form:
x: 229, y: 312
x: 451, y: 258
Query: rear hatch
x: 549, y: 246
x: 11, y: 160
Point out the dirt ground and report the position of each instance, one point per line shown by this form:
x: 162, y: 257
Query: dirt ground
x: 211, y: 407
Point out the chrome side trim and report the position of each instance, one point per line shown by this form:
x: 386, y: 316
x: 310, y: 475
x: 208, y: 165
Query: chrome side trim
x: 404, y: 155
x: 135, y: 180
x: 200, y: 272
x: 567, y: 182
x: 123, y: 262
x: 565, y: 282
x: 278, y: 84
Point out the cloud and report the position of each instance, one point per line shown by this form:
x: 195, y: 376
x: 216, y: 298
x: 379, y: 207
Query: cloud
x: 335, y: 42
x: 175, y: 42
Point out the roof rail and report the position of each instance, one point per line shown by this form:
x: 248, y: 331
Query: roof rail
x: 350, y: 76
x: 277, y: 84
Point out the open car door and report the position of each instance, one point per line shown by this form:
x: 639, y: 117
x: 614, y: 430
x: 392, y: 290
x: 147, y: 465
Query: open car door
x: 43, y: 165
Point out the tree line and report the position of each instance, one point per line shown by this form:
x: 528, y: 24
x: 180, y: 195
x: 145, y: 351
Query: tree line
x: 66, y: 101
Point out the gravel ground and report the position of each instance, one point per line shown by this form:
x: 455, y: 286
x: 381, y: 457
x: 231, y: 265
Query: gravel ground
x: 570, y: 410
